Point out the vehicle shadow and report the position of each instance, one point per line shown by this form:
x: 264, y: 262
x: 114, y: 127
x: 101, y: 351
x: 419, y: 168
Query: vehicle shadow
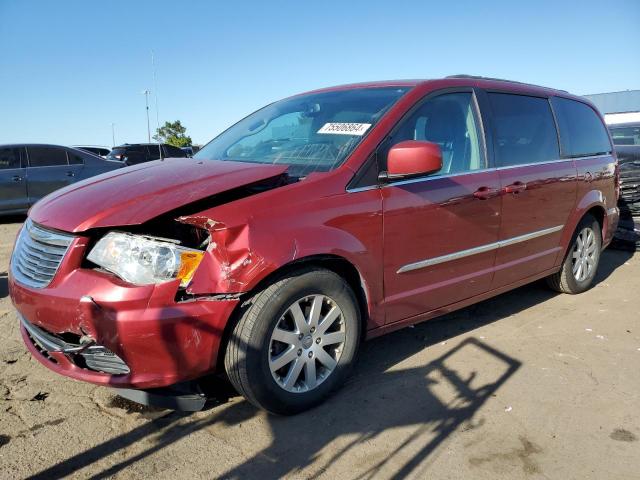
x: 379, y: 397
x: 374, y: 401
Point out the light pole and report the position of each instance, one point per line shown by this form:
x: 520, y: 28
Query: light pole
x: 113, y: 134
x: 146, y: 100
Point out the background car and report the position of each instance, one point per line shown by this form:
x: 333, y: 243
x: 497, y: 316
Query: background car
x: 95, y: 149
x: 134, y: 153
x: 28, y: 172
x: 191, y: 150
x: 626, y: 138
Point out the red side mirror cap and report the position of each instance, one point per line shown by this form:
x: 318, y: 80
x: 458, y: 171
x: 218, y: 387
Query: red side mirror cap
x: 413, y: 157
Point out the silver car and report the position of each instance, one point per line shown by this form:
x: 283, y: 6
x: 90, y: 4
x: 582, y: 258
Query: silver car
x: 28, y: 172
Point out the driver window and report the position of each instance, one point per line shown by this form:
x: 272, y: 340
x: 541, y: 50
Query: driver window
x: 450, y: 121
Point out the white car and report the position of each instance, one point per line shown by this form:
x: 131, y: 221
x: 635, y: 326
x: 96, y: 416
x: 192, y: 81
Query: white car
x: 95, y: 149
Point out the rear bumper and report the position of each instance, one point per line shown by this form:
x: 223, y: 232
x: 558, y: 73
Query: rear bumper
x: 159, y: 341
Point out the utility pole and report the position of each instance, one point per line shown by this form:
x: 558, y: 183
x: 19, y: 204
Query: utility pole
x: 146, y: 99
x: 113, y: 134
x: 155, y: 87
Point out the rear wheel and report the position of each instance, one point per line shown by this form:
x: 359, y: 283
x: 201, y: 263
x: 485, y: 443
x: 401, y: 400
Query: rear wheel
x: 295, y: 341
x: 581, y: 262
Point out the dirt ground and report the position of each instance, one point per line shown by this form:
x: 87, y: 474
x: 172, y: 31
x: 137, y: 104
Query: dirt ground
x: 530, y: 384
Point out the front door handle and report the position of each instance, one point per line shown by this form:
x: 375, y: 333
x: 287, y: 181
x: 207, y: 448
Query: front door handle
x: 71, y: 174
x: 484, y: 193
x: 16, y: 178
x: 515, y: 188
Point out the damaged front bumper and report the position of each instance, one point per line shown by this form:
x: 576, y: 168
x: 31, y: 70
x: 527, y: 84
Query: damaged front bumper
x: 95, y: 328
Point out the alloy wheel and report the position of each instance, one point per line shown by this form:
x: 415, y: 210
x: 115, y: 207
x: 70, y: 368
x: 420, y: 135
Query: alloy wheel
x: 306, y: 343
x: 584, y: 254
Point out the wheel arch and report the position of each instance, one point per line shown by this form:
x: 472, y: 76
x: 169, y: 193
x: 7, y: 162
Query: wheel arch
x: 597, y: 210
x: 335, y: 263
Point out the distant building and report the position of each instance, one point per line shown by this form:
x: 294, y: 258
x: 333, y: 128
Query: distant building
x: 618, y: 107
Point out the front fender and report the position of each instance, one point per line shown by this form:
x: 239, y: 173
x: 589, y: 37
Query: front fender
x: 239, y: 257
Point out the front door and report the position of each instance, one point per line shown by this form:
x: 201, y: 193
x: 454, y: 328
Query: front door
x: 440, y: 230
x: 539, y: 188
x: 13, y: 183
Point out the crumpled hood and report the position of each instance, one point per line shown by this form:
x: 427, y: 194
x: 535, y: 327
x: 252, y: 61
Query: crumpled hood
x: 137, y: 194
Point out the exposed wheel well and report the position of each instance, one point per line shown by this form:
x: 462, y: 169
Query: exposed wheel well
x: 335, y: 263
x: 598, y: 213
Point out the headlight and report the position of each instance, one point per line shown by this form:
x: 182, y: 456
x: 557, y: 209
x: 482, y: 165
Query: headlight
x: 143, y: 260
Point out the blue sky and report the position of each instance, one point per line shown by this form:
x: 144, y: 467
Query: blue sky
x: 71, y: 68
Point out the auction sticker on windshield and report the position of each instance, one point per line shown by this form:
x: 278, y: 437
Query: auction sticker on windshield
x: 345, y: 128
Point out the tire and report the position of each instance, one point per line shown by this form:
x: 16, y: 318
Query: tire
x: 571, y: 278
x: 255, y: 349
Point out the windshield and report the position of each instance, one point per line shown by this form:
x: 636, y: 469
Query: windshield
x: 629, y: 135
x: 314, y: 132
x: 116, y: 153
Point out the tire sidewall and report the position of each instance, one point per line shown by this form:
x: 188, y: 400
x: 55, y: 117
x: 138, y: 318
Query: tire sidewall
x: 264, y: 387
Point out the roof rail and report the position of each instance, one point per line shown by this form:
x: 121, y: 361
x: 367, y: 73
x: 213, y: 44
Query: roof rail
x: 479, y: 77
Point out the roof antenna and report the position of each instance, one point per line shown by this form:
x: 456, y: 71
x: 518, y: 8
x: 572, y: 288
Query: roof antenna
x: 155, y: 87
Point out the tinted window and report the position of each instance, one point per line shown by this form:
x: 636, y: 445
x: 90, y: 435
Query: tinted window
x: 46, y: 156
x: 75, y: 158
x: 153, y: 152
x: 582, y: 133
x: 625, y: 135
x: 9, y: 158
x: 175, y: 151
x: 523, y: 129
x: 448, y: 120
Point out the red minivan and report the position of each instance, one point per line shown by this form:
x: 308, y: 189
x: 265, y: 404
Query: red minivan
x: 312, y: 224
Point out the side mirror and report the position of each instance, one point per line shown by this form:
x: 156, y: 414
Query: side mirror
x: 413, y: 157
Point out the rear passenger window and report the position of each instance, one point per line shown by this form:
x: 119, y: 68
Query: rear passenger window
x: 523, y: 129
x: 582, y: 133
x: 9, y: 158
x: 46, y: 156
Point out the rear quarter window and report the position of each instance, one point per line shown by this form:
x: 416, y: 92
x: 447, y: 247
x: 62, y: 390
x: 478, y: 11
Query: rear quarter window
x: 582, y: 133
x: 524, y: 131
x: 75, y: 158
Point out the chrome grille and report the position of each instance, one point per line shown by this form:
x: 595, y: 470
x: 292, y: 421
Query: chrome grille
x: 38, y: 254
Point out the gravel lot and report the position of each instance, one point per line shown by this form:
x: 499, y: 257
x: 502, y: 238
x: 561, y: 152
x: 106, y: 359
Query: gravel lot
x: 530, y: 384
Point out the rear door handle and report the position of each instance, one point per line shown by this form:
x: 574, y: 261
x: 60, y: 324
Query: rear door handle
x: 16, y: 178
x: 484, y: 193
x: 71, y: 174
x: 515, y: 188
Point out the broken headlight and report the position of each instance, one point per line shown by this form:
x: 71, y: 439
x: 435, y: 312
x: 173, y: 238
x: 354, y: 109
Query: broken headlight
x: 143, y: 260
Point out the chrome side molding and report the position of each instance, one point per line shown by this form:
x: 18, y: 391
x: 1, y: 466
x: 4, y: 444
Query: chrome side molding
x: 476, y: 250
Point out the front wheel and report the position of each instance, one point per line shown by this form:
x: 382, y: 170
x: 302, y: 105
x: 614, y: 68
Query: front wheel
x: 581, y: 262
x: 295, y: 341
